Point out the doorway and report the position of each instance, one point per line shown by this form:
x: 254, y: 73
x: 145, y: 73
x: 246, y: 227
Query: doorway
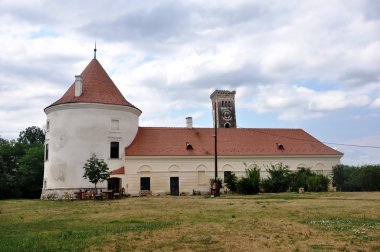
x: 174, y: 186
x: 145, y: 183
x: 114, y: 184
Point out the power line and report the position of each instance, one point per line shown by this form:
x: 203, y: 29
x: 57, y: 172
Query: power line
x: 316, y: 141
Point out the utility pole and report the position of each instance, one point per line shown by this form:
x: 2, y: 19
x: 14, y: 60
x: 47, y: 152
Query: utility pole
x: 216, y: 144
x: 215, y: 186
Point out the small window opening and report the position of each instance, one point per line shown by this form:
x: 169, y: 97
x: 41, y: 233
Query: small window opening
x: 188, y: 146
x: 280, y: 146
x: 114, y: 150
x: 47, y: 125
x: 114, y: 124
x: 227, y: 125
x: 46, y: 152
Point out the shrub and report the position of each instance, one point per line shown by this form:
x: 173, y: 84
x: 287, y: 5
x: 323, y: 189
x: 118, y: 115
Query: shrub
x: 318, y: 183
x: 251, y: 182
x: 219, y: 181
x: 231, y: 181
x: 300, y: 179
x: 278, y: 180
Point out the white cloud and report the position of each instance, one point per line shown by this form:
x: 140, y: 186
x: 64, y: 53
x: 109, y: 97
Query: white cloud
x: 298, y: 103
x: 297, y: 59
x: 376, y: 103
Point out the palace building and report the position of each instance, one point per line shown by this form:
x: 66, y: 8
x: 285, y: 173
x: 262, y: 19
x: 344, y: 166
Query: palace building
x: 94, y: 117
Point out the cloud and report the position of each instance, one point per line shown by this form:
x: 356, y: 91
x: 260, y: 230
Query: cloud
x: 298, y: 60
x: 376, y: 103
x: 300, y: 103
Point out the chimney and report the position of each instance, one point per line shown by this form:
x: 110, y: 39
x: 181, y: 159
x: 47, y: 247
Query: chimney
x: 78, y: 85
x: 189, y: 122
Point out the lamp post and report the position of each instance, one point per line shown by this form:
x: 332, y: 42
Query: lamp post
x: 215, y: 186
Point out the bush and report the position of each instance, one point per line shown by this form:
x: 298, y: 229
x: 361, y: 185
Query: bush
x: 219, y: 181
x: 249, y: 184
x: 299, y: 179
x: 231, y: 181
x: 318, y: 183
x: 278, y: 180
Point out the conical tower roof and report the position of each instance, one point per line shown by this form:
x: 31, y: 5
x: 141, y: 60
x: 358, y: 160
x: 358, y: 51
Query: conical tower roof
x: 97, y: 88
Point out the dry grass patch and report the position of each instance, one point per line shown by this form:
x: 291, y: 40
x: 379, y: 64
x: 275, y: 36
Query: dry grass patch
x: 268, y: 222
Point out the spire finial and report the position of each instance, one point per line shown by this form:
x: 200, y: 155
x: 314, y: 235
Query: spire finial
x: 95, y: 51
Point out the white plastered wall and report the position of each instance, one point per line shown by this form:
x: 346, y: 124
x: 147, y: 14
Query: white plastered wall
x: 75, y: 132
x: 191, y: 170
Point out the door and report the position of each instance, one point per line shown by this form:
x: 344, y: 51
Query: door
x: 145, y: 183
x: 114, y: 184
x: 174, y: 186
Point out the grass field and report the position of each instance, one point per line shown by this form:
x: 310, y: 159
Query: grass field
x: 266, y: 222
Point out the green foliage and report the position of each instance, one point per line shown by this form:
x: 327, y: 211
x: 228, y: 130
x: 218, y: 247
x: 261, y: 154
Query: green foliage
x: 95, y: 170
x: 21, y: 165
x: 309, y: 180
x: 278, y: 180
x: 353, y: 178
x: 231, y: 182
x: 31, y: 172
x: 251, y: 182
x: 32, y: 135
x: 318, y: 183
x: 300, y: 179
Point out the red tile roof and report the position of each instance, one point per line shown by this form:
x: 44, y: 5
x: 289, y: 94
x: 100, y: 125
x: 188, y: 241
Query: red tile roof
x: 231, y: 142
x: 118, y: 171
x: 97, y: 88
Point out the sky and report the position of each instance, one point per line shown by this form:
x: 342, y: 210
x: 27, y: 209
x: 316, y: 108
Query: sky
x: 311, y: 64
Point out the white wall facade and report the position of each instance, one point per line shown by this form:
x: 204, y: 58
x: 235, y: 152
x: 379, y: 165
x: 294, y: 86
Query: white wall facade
x: 194, y: 173
x: 77, y: 130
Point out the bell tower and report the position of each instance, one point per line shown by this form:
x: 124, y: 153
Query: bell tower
x: 223, y: 107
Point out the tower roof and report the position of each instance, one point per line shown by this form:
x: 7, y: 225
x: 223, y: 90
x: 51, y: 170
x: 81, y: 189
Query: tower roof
x: 97, y: 88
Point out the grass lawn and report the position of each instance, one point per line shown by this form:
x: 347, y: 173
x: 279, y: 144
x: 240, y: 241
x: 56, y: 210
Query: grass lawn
x: 266, y: 222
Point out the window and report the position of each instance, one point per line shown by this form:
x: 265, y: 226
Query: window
x: 47, y: 125
x: 201, y: 177
x: 227, y: 174
x: 114, y: 124
x: 46, y: 152
x: 114, y: 150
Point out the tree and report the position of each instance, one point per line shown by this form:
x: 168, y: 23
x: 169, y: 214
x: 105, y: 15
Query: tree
x: 31, y: 172
x: 95, y: 170
x: 21, y: 164
x: 32, y: 135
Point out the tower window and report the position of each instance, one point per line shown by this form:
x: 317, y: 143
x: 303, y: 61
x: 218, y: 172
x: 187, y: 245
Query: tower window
x: 114, y: 150
x: 227, y: 125
x: 46, y: 152
x: 47, y: 125
x: 114, y: 124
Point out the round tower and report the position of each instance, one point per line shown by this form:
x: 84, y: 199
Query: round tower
x: 91, y: 117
